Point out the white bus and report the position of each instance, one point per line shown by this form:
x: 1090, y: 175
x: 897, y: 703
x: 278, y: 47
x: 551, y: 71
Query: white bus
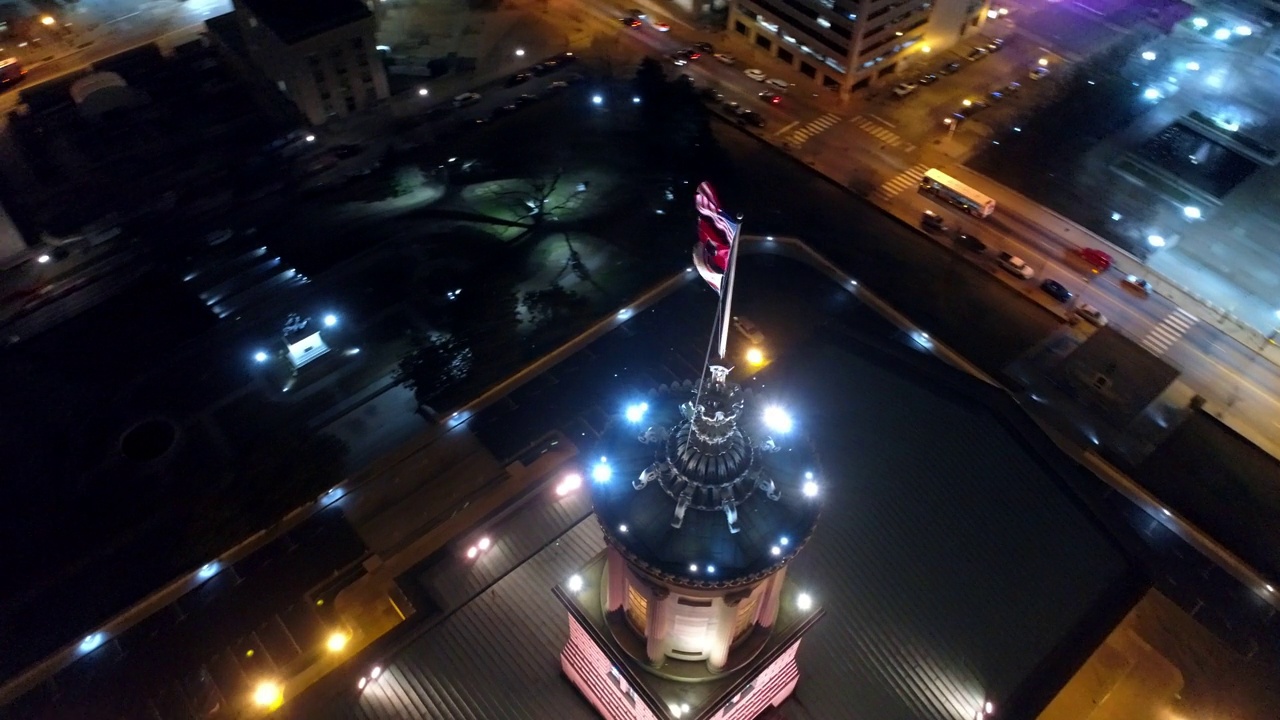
x: 936, y: 182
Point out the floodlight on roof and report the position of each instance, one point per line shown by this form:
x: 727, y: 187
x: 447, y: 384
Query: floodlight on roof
x: 484, y: 543
x: 92, y: 642
x: 810, y: 489
x: 601, y: 473
x: 635, y: 412
x: 777, y: 419
x: 803, y: 601
x: 575, y: 583
x: 208, y: 570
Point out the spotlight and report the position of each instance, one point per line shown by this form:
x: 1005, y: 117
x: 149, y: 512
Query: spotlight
x: 337, y: 641
x: 568, y: 484
x: 575, y: 583
x: 484, y: 544
x: 601, y: 472
x: 803, y: 601
x: 810, y: 489
x: 375, y: 672
x: 330, y: 320
x: 260, y: 356
x: 635, y: 413
x: 1192, y: 212
x: 268, y: 694
x: 597, y: 99
x: 755, y: 356
x: 777, y: 419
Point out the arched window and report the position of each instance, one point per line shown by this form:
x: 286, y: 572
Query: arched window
x: 637, y: 609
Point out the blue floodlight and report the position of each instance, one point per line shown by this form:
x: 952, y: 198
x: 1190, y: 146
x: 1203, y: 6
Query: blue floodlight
x: 208, y: 570
x: 260, y: 356
x: 635, y: 99
x: 1221, y: 34
x: 597, y: 99
x: 601, y: 472
x: 635, y: 413
x: 91, y: 642
x: 330, y: 320
x: 1151, y: 94
x: 777, y: 419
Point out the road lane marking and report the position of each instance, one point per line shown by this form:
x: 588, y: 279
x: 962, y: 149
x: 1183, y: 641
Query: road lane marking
x: 903, y: 180
x: 790, y: 125
x: 881, y: 120
x: 877, y: 131
x: 1168, y: 331
x: 822, y: 123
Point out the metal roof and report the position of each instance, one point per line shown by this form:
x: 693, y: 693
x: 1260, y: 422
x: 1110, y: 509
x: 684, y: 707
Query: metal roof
x: 953, y: 565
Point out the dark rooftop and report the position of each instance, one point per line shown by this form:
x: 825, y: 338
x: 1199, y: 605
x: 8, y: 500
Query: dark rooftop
x: 953, y: 564
x: 296, y: 20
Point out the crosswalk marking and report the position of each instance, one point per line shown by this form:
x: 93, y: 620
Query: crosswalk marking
x: 1162, y: 337
x: 823, y: 123
x: 877, y: 131
x: 903, y: 180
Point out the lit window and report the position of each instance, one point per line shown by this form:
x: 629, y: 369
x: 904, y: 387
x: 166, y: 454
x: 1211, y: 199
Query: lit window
x: 637, y: 609
x: 823, y: 22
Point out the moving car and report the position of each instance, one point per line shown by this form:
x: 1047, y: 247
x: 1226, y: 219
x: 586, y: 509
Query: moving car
x: 1100, y: 260
x: 1056, y: 290
x: 977, y: 54
x: 927, y: 79
x: 1038, y: 72
x: 770, y: 96
x: 726, y: 58
x: 679, y: 58
x: 630, y: 22
x: 1012, y: 88
x: 748, y: 330
x: 705, y: 47
x: 637, y: 12
x: 779, y: 83
x: 1016, y: 266
x: 662, y: 27
x: 971, y: 243
x: 1090, y: 314
x: 904, y: 89
x: 933, y: 221
x: 1133, y: 282
x: 995, y: 45
x: 754, y: 74
x: 995, y: 96
x: 466, y: 99
x: 950, y: 68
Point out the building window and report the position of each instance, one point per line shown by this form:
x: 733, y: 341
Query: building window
x: 357, y: 44
x: 830, y: 82
x: 746, y: 617
x: 326, y: 95
x: 637, y: 610
x: 313, y: 60
x: 808, y: 70
x: 739, y: 28
x: 785, y: 55
x: 763, y: 42
x: 366, y: 78
x: 351, y: 104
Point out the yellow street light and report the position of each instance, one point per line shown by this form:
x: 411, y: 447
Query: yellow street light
x: 337, y: 641
x: 926, y: 49
x: 755, y: 356
x: 268, y: 694
x: 1044, y: 61
x: 967, y: 103
x: 47, y: 20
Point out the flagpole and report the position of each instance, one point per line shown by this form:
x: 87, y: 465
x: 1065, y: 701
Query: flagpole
x: 726, y: 311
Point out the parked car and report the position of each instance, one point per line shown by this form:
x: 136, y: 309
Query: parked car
x: 678, y: 59
x: 1016, y: 266
x: 1056, y: 290
x: 950, y: 68
x: 779, y: 83
x: 505, y: 110
x: 705, y: 47
x: 466, y: 99
x: 754, y: 74
x: 564, y: 58
x: 927, y: 79
x: 977, y: 54
x: 748, y: 330
x: 995, y: 45
x: 662, y: 27
x: 527, y: 99
x: 971, y: 243
x: 904, y: 89
x: 995, y: 96
x: 752, y: 118
x: 1089, y: 314
x: 1012, y: 88
x: 519, y: 78
x: 557, y: 85
x: 1100, y: 260
x: 710, y: 95
x: 1133, y: 282
x: 1038, y: 72
x: 933, y: 221
x: 733, y: 108
x: 726, y: 58
x: 630, y: 22
x: 545, y: 68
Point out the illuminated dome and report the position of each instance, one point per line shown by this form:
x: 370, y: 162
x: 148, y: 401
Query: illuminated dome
x: 709, y: 495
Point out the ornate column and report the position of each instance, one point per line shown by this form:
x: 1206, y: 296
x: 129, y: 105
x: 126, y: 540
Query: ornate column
x: 615, y: 581
x: 721, y: 637
x: 657, y: 624
x: 769, y: 603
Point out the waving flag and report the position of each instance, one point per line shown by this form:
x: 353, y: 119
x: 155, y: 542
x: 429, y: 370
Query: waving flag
x: 716, y: 235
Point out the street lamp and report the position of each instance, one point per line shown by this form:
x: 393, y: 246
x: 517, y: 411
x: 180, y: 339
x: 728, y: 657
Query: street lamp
x: 951, y: 126
x: 1043, y: 62
x: 47, y: 20
x: 1155, y: 241
x: 268, y: 694
x: 1149, y: 55
x: 422, y: 92
x: 519, y: 52
x: 1192, y: 212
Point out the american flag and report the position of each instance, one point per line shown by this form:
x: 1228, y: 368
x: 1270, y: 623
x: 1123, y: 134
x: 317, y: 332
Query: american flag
x: 716, y: 233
